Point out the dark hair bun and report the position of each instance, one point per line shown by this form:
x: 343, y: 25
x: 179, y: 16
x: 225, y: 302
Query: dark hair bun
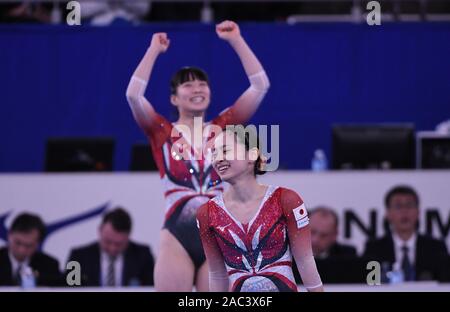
x: 260, y: 166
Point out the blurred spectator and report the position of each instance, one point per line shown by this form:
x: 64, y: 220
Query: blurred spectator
x: 25, y: 12
x: 336, y: 263
x: 324, y: 232
x: 114, y: 260
x: 102, y: 13
x: 419, y: 257
x: 21, y: 254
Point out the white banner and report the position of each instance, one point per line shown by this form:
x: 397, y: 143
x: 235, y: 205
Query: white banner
x: 71, y: 204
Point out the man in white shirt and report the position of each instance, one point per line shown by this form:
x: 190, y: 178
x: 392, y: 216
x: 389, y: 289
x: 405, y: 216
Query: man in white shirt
x: 22, y: 254
x: 419, y: 257
x: 114, y: 260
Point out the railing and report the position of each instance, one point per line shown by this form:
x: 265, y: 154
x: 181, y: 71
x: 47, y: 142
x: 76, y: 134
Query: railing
x: 357, y: 13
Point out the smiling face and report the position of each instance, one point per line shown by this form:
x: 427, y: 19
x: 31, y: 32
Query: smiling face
x: 231, y: 159
x: 192, y: 97
x: 190, y: 91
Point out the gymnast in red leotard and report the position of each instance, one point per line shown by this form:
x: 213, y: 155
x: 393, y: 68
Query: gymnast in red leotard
x: 251, y: 232
x: 183, y: 161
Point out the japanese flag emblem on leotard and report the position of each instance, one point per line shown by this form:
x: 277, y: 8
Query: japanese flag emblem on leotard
x: 301, y: 216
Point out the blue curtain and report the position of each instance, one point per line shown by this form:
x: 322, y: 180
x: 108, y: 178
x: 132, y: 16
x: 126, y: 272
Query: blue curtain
x: 71, y: 81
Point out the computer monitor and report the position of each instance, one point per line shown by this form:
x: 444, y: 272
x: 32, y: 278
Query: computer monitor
x: 433, y: 150
x: 142, y: 158
x: 373, y: 146
x: 79, y: 154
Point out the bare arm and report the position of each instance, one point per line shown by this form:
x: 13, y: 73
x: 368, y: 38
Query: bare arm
x: 142, y: 110
x: 249, y: 101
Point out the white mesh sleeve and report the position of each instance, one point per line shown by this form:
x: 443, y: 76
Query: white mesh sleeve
x: 300, y: 239
x: 218, y: 281
x: 253, y: 96
x: 259, y: 82
x: 138, y: 103
x: 308, y: 271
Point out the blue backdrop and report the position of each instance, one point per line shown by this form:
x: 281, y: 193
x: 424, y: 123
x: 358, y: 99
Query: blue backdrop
x: 71, y: 81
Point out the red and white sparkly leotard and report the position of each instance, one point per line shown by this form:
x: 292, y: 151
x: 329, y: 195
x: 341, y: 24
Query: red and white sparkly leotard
x: 257, y: 255
x: 189, y: 180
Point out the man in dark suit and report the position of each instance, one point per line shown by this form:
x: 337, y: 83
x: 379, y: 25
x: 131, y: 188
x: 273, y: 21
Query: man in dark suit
x: 324, y: 225
x: 21, y: 256
x: 336, y: 263
x: 115, y: 260
x: 419, y: 257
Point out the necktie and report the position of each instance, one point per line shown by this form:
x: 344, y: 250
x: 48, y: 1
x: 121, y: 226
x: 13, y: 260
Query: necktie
x: 406, y: 265
x: 18, y: 276
x: 110, y: 273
